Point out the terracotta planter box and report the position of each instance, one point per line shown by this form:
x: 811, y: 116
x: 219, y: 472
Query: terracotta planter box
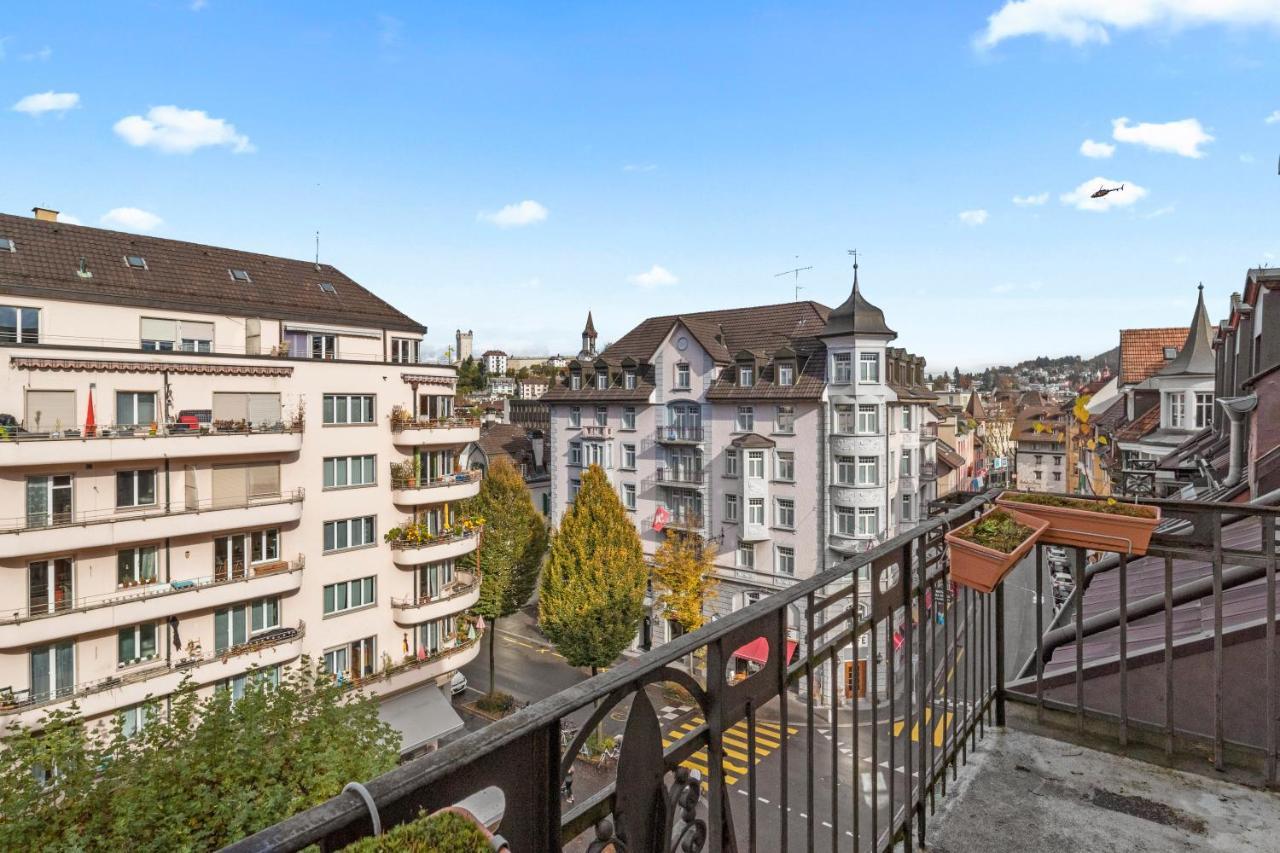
x: 982, y: 568
x: 1080, y: 528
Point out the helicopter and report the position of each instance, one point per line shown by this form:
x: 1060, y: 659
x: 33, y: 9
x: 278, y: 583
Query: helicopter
x: 1102, y: 191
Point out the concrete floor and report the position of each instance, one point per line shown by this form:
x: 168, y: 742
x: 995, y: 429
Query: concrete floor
x: 1025, y: 793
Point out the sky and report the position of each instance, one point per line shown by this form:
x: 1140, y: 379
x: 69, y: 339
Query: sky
x: 507, y: 167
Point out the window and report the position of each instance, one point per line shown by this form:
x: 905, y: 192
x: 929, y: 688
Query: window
x: 629, y: 495
x: 239, y: 684
x: 786, y: 373
x: 784, y: 419
x: 1057, y: 460
x: 53, y: 670
x: 348, y: 409
x: 1177, y: 410
x: 629, y: 457
x: 629, y: 417
x: 348, y: 595
x: 904, y: 466
x: 575, y: 381
x: 7, y: 245
x: 241, y: 276
x: 1057, y: 476
x: 575, y: 453
x: 324, y: 347
x: 842, y: 368
x: 602, y: 415
x: 136, y: 565
x: 785, y: 560
x: 48, y: 500
x: 136, y: 643
x: 1204, y: 410
x: 602, y: 380
x: 869, y: 367
x: 746, y: 555
x: 50, y: 585
x: 846, y: 471
x: 343, y: 471
x: 906, y: 418
x: 629, y: 380
x: 19, y: 325
x: 846, y: 521
x: 1170, y: 353
x: 135, y: 488
x: 868, y: 471
x: 1039, y: 459
x: 1039, y: 475
x: 574, y: 486
x: 135, y: 408
x: 134, y: 720
x: 845, y: 422
x: 730, y: 507
x: 755, y: 463
x: 136, y: 262
x: 731, y: 463
x: 784, y: 466
x: 784, y: 513
x: 746, y: 376
x: 348, y: 533
x: 755, y: 511
x: 868, y: 521
x: 868, y: 419
x: 682, y: 377
x: 233, y: 626
x: 354, y: 660
x: 405, y: 350
x: 264, y: 546
x: 597, y: 454
x: 575, y: 417
x: 906, y: 508
x: 327, y: 287
x: 746, y: 420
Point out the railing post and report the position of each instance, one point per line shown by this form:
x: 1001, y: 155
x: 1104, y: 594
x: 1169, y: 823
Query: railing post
x: 1000, y: 655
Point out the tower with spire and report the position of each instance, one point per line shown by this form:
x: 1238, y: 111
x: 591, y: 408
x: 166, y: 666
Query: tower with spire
x: 588, y: 340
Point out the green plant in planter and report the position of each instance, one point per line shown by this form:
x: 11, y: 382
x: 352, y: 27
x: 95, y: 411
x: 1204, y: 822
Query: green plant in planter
x: 393, y: 535
x: 1110, y: 506
x: 442, y: 832
x: 997, y: 531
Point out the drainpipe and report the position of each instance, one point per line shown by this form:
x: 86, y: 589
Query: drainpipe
x: 1237, y: 408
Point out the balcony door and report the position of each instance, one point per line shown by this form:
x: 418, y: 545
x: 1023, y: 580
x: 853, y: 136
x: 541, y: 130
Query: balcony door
x: 50, y: 587
x: 229, y: 554
x: 53, y: 671
x: 433, y: 578
x: 48, y: 500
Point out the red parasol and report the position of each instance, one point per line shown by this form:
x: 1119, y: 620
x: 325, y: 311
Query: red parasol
x: 89, y: 426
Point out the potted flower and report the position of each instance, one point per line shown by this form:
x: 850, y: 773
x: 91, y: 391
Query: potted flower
x: 1103, y: 525
x: 987, y: 548
x: 452, y: 828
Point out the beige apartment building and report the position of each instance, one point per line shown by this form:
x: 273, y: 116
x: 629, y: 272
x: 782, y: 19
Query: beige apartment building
x: 202, y: 453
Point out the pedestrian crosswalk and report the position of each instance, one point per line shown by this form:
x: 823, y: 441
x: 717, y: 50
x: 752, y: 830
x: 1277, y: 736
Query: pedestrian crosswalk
x: 939, y: 731
x: 737, y: 755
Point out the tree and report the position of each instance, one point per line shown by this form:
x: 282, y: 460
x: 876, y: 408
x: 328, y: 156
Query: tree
x: 207, y: 773
x: 682, y: 577
x: 511, y: 548
x: 592, y: 595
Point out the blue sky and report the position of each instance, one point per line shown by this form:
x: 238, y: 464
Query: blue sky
x: 506, y: 168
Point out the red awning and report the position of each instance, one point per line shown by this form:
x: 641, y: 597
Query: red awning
x: 757, y: 651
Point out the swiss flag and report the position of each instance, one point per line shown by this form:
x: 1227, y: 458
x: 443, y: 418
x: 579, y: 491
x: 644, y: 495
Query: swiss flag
x: 660, y: 518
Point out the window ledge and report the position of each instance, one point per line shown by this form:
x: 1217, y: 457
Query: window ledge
x: 364, y: 547
x: 347, y: 487
x: 338, y: 613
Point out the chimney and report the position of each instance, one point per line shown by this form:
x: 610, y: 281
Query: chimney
x: 44, y: 214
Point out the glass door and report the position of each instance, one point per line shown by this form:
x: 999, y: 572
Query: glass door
x: 50, y: 585
x: 48, y: 500
x: 433, y: 578
x: 229, y: 557
x: 52, y: 671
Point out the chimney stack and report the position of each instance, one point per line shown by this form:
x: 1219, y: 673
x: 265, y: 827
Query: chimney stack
x: 44, y: 214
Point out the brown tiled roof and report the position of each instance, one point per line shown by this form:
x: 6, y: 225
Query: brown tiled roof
x: 1052, y: 416
x: 1142, y: 351
x: 948, y: 456
x: 1109, y: 417
x: 182, y: 277
x: 1140, y: 426
x: 507, y: 440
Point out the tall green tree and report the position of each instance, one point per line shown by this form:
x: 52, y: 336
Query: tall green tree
x: 207, y: 773
x: 592, y: 595
x: 511, y: 548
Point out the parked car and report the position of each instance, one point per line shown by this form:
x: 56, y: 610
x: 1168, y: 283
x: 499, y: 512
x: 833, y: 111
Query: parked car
x: 457, y: 684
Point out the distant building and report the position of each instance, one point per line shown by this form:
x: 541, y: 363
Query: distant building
x: 500, y: 386
x: 495, y: 362
x: 525, y: 450
x: 530, y: 414
x: 463, y: 341
x: 1040, y: 433
x: 532, y: 388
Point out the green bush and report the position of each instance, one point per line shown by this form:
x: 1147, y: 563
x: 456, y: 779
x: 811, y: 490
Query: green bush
x: 442, y: 832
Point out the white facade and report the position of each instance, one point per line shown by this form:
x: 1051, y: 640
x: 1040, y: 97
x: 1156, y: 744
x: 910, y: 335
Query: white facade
x: 495, y: 363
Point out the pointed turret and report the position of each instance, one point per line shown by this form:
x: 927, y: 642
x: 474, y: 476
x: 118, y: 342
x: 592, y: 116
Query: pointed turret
x: 857, y: 316
x: 588, y: 339
x: 1196, y: 356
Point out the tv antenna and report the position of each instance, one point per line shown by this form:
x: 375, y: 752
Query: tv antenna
x: 317, y: 251
x: 796, y: 273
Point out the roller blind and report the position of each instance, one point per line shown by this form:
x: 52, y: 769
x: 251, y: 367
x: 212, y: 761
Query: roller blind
x: 159, y: 330
x: 197, y: 330
x: 230, y: 406
x: 46, y: 408
x: 230, y: 485
x: 264, y: 409
x: 264, y: 479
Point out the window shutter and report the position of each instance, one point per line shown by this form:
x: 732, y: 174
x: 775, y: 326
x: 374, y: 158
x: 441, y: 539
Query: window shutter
x: 52, y: 407
x: 196, y: 330
x: 159, y: 330
x: 264, y: 409
x: 264, y: 479
x: 230, y: 406
x: 230, y: 485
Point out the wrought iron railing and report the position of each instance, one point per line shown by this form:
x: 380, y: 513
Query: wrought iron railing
x: 678, y: 434
x: 933, y: 658
x: 1138, y: 479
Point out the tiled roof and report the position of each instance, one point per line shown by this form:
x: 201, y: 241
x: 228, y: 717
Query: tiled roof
x: 182, y: 277
x: 506, y: 440
x: 1052, y: 416
x: 1142, y: 351
x: 1140, y: 426
x: 1111, y: 416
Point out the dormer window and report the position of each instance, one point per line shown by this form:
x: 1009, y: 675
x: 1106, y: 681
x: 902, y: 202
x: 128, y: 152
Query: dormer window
x: 241, y: 276
x: 136, y: 262
x: 328, y: 287
x: 746, y: 376
x: 786, y: 374
x: 575, y: 381
x: 602, y: 380
x: 7, y: 245
x: 629, y: 380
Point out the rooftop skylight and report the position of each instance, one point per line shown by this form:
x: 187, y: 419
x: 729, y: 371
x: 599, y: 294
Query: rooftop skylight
x: 136, y: 262
x: 7, y: 245
x: 328, y: 287
x: 240, y: 275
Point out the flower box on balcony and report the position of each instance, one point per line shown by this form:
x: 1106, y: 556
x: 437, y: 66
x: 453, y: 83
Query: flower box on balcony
x: 987, y: 548
x: 1100, y: 525
x: 271, y: 568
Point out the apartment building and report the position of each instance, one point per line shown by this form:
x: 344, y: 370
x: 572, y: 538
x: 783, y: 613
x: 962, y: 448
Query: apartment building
x: 203, y: 451
x: 788, y: 436
x: 1039, y: 431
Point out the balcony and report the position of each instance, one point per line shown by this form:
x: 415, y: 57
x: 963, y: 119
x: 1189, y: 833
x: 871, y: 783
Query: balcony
x: 20, y: 537
x: 595, y: 432
x: 460, y: 595
x: 414, y: 491
x: 413, y: 670
x: 678, y: 519
x: 411, y: 552
x: 135, y: 684
x: 678, y: 434
x: 408, y: 431
x: 929, y: 431
x: 148, y: 602
x: 937, y: 690
x: 689, y: 477
x: 928, y: 471
x: 167, y: 441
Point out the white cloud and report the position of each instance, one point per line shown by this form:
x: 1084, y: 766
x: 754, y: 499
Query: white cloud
x: 517, y: 215
x: 1097, y: 150
x: 655, y: 276
x: 1081, y: 197
x: 131, y: 219
x: 1161, y: 211
x: 47, y: 102
x: 1273, y: 118
x: 41, y: 55
x: 1082, y: 21
x: 640, y: 167
x: 68, y: 218
x: 1030, y: 200
x: 973, y: 217
x: 197, y: 5
x: 177, y: 131
x: 1175, y: 137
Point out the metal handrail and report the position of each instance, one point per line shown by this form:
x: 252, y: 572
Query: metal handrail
x: 459, y: 478
x: 463, y: 583
x: 162, y: 429
x: 456, y: 422
x: 110, y: 515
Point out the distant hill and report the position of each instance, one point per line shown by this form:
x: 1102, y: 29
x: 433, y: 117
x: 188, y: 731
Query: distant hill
x: 1071, y: 363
